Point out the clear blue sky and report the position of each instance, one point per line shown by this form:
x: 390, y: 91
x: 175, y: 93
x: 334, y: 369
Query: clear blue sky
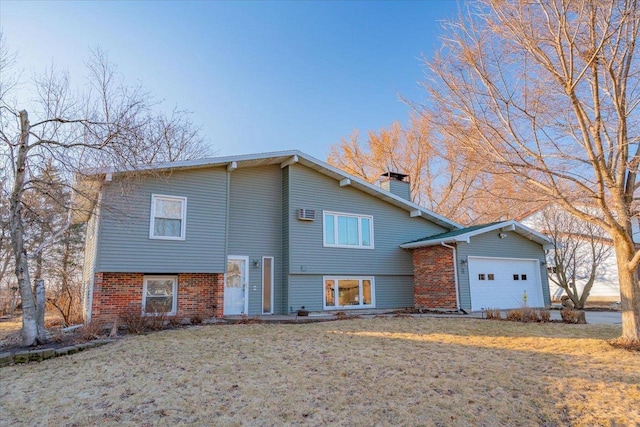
x: 258, y: 76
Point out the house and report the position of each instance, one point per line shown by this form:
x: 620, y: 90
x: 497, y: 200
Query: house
x: 606, y: 286
x: 272, y: 233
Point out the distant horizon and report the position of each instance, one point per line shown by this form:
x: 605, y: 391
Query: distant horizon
x: 257, y: 77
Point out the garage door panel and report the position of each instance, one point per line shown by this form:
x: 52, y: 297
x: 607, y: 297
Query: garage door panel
x: 503, y: 283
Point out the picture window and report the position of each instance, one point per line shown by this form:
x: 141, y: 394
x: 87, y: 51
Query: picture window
x: 348, y: 292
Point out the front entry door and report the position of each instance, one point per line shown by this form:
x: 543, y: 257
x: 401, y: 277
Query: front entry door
x: 236, y: 285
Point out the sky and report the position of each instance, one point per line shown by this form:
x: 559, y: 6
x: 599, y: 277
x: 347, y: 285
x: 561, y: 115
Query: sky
x: 257, y: 76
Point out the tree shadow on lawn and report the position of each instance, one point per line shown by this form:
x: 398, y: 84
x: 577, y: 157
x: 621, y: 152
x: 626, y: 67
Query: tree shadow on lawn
x: 564, y: 385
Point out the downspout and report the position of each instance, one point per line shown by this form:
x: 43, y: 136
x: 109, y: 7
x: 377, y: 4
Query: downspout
x: 455, y: 273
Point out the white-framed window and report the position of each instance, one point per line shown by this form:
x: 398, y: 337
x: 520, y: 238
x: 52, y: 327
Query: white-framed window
x: 344, y: 292
x: 343, y: 230
x: 160, y: 295
x: 168, y: 217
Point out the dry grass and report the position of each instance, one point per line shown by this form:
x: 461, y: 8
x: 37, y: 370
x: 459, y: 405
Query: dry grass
x: 393, y: 371
x: 10, y: 326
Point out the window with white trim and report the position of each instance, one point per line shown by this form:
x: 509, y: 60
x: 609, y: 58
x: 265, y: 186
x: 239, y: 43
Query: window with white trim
x: 343, y: 292
x: 160, y: 295
x: 343, y: 230
x: 168, y: 217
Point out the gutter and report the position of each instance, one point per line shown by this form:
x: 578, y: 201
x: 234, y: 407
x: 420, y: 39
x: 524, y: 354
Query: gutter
x: 455, y: 273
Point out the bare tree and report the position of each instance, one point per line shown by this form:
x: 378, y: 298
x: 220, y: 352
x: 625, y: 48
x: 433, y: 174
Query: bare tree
x: 581, y: 248
x: 105, y: 123
x: 452, y: 182
x: 552, y: 89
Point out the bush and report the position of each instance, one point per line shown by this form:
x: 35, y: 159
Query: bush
x: 572, y: 316
x: 545, y: 315
x: 93, y: 330
x: 493, y: 313
x: 133, y: 320
x: 515, y: 315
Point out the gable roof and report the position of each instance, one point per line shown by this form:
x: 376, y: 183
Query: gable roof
x: 465, y: 234
x: 286, y: 158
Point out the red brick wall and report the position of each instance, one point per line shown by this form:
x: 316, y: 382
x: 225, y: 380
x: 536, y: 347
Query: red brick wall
x: 199, y: 294
x: 434, y: 278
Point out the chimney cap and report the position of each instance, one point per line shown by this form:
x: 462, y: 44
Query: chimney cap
x: 395, y: 175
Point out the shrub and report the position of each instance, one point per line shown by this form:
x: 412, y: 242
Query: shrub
x: 92, y: 331
x: 545, y: 315
x: 493, y: 313
x: 572, y: 316
x: 133, y: 320
x: 529, y: 315
x: 515, y: 315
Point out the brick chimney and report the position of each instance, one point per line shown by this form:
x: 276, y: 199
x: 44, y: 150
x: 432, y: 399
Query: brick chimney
x: 396, y: 183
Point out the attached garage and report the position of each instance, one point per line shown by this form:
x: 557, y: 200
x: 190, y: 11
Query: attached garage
x: 497, y: 265
x: 504, y: 283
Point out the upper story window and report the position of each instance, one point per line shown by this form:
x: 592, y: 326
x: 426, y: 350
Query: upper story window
x: 168, y: 217
x: 347, y: 230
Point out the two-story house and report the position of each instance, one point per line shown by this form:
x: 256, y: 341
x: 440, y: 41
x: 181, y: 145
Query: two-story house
x: 270, y: 233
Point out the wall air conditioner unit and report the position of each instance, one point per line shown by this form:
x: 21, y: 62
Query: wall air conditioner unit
x: 306, y: 214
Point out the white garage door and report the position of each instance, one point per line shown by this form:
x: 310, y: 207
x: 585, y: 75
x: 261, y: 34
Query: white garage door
x: 503, y: 282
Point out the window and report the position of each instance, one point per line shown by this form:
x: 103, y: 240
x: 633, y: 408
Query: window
x: 490, y: 276
x: 516, y: 277
x: 523, y: 277
x: 348, y: 231
x: 160, y: 295
x: 168, y: 217
x: 481, y: 276
x: 349, y: 292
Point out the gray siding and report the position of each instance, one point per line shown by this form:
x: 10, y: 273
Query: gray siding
x: 390, y: 291
x: 309, y: 260
x: 489, y: 245
x: 392, y: 226
x: 124, y: 244
x: 255, y: 226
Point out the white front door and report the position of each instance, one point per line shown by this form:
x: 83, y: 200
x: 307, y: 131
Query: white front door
x: 236, y: 285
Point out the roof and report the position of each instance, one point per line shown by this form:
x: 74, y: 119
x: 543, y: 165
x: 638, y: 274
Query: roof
x: 286, y: 158
x: 465, y: 234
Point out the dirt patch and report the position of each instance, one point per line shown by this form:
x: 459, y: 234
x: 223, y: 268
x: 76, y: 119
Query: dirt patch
x: 382, y: 371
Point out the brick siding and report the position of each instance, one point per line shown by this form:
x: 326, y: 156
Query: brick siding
x: 434, y: 278
x: 199, y: 294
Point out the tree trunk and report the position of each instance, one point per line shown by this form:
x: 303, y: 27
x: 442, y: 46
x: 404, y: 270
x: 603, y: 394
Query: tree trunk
x: 32, y: 332
x: 40, y: 306
x: 629, y: 293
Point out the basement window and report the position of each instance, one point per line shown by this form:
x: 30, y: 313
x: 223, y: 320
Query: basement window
x: 159, y: 295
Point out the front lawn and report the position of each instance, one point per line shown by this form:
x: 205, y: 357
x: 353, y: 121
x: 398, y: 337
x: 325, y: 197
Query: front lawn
x: 383, y: 371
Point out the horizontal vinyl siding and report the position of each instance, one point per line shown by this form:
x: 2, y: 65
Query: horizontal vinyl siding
x: 305, y: 290
x: 391, y: 292
x: 255, y: 226
x: 394, y: 291
x: 124, y: 244
x: 490, y: 245
x: 392, y: 226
